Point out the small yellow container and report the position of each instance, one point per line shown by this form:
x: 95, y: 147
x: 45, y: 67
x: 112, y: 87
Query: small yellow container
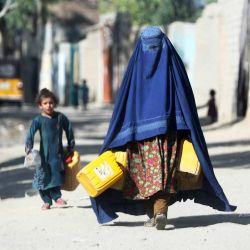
x: 100, y: 174
x: 189, y: 171
x: 121, y: 158
x: 189, y: 162
x: 71, y: 170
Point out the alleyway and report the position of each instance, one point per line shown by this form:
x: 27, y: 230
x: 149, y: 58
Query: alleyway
x: 23, y: 226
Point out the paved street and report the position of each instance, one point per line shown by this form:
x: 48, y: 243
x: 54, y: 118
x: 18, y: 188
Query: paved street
x: 24, y: 226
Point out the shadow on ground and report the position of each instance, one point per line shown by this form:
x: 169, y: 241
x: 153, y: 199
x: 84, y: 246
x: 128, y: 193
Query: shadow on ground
x: 14, y: 183
x: 207, y: 126
x: 229, y: 143
x: 208, y: 220
x: 194, y: 221
x: 88, y: 149
x: 12, y: 162
x: 232, y: 160
x: 125, y: 224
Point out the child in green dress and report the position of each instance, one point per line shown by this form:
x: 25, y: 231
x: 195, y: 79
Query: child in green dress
x: 49, y: 176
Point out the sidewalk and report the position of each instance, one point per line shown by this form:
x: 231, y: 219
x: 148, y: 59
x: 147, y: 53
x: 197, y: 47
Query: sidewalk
x: 24, y: 226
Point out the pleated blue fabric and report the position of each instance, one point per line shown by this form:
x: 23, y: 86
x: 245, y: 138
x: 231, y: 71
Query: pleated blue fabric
x: 156, y: 98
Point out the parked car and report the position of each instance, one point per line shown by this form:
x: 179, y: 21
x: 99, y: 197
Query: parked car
x: 11, y: 85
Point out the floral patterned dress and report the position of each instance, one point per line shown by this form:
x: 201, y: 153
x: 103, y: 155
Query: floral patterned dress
x: 151, y: 167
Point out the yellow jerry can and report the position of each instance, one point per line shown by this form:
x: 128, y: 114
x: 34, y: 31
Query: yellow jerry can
x: 189, y: 162
x: 189, y: 171
x: 100, y: 174
x: 121, y: 158
x: 71, y: 170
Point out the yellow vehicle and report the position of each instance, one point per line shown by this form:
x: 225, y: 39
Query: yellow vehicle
x: 11, y: 86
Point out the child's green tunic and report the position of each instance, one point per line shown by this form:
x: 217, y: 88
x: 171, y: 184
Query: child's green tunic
x: 51, y: 172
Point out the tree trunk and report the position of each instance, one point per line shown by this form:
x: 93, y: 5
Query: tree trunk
x: 32, y: 56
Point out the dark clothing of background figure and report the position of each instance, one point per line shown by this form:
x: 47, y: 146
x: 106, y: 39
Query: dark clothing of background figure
x: 85, y: 95
x: 212, y: 110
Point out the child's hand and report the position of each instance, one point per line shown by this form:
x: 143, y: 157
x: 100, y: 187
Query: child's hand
x: 27, y: 150
x: 68, y: 155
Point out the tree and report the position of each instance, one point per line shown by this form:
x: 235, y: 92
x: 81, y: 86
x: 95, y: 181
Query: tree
x: 5, y: 7
x: 155, y: 12
x: 21, y: 25
x: 22, y: 18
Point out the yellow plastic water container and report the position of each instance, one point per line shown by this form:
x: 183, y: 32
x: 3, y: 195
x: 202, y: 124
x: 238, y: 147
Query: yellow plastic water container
x: 189, y: 162
x: 189, y: 171
x: 71, y: 170
x: 121, y: 158
x: 100, y: 174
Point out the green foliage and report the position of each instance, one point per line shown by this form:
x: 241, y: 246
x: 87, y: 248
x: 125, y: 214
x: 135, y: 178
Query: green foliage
x: 19, y: 17
x: 158, y: 12
x: 22, y: 17
x: 177, y: 10
x: 138, y: 9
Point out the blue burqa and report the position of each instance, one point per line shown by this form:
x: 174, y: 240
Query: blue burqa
x: 155, y: 98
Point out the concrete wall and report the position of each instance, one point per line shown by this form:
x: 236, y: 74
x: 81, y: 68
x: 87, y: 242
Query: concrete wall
x: 217, y: 54
x: 213, y: 47
x: 231, y: 24
x: 91, y: 64
x: 182, y: 36
x: 206, y: 74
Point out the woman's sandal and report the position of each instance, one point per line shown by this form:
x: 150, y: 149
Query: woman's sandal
x: 160, y: 221
x: 150, y: 222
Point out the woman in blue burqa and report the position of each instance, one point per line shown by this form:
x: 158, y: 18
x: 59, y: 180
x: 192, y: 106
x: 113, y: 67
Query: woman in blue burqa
x: 154, y: 110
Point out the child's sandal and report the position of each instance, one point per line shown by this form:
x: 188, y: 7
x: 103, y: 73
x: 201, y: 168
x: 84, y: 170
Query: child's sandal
x: 61, y: 202
x: 45, y: 206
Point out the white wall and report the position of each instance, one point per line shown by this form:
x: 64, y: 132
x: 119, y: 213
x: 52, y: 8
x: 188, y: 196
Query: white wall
x: 217, y: 55
x: 231, y: 17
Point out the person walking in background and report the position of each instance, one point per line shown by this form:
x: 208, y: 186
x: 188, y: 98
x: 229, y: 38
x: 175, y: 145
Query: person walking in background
x: 212, y: 112
x: 154, y: 112
x: 85, y: 94
x: 49, y: 176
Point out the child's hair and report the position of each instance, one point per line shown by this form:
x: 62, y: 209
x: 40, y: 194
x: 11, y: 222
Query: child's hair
x: 45, y: 93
